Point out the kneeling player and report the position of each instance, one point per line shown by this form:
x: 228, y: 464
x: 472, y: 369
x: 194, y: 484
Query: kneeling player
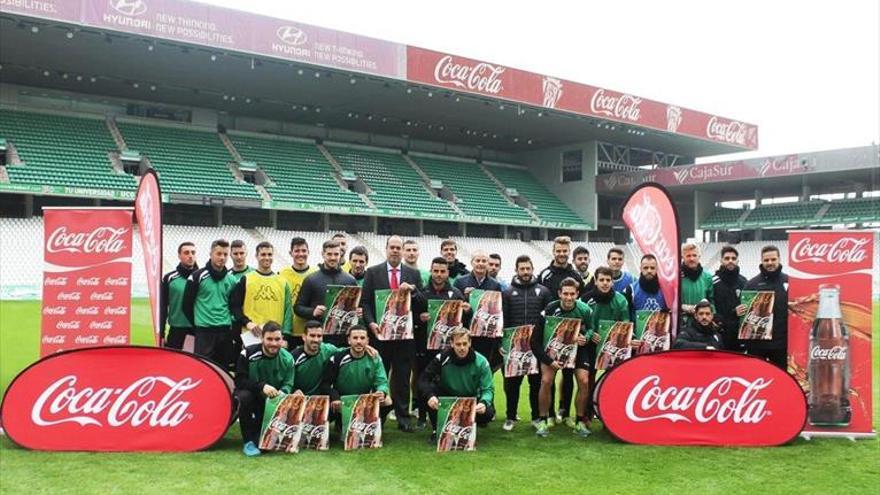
x: 263, y: 370
x: 459, y: 372
x: 568, y: 306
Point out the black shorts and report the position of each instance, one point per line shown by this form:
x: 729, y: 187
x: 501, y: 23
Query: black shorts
x: 585, y: 358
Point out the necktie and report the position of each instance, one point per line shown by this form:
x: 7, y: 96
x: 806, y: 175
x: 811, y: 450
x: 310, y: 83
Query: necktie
x: 395, y: 281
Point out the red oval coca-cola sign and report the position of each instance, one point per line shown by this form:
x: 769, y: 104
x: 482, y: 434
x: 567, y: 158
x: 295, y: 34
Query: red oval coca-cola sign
x: 701, y: 398
x: 123, y: 398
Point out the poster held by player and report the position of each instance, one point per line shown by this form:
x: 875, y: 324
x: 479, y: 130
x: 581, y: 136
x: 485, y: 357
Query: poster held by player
x: 444, y: 317
x: 615, y: 338
x: 560, y: 339
x: 395, y: 307
x: 757, y: 323
x: 361, y: 422
x: 342, y: 303
x: 282, y: 423
x: 488, y: 320
x: 456, y: 424
x: 519, y: 360
x: 652, y: 328
x: 315, y: 428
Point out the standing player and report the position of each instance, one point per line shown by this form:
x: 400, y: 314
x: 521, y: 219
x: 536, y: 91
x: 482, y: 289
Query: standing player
x: 495, y: 270
x: 581, y: 259
x: 312, y: 300
x: 206, y: 304
x: 550, y: 277
x: 646, y: 293
x: 261, y: 296
x: 622, y: 278
x: 411, y: 259
x: 238, y: 252
x: 171, y: 297
x: 479, y: 278
x: 696, y: 284
x: 773, y: 279
x: 523, y: 303
x: 397, y: 355
x: 438, y: 289
x: 342, y: 240
x: 727, y: 285
x: 358, y: 259
x: 567, y: 306
x: 295, y: 275
x: 263, y: 370
x: 449, y: 250
x: 459, y: 372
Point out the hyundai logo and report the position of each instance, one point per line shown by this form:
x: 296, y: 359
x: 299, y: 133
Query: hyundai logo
x: 292, y: 35
x: 129, y: 7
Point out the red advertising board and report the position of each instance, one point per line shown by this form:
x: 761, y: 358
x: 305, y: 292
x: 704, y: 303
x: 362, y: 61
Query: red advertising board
x: 148, y: 211
x: 118, y: 399
x: 474, y: 76
x: 652, y: 219
x: 701, y: 398
x: 829, y: 328
x: 86, y: 278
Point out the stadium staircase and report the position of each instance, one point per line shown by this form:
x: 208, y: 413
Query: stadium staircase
x: 189, y: 160
x: 545, y: 204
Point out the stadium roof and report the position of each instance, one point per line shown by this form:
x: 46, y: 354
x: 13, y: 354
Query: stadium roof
x: 195, y: 55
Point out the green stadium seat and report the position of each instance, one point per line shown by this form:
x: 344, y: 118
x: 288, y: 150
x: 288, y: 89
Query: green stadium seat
x: 546, y: 205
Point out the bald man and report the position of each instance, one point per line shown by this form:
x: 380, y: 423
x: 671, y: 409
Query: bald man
x: 397, y: 355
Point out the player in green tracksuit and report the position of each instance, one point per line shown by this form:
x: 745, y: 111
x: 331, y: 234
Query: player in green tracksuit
x: 310, y: 359
x: 263, y: 370
x: 459, y: 372
x: 171, y: 298
x: 353, y: 371
x: 696, y: 284
x: 206, y: 305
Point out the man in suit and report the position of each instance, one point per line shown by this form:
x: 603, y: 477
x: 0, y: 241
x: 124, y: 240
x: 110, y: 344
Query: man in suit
x: 397, y: 355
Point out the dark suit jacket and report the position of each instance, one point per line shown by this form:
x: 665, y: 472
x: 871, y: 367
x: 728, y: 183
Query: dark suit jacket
x: 376, y: 278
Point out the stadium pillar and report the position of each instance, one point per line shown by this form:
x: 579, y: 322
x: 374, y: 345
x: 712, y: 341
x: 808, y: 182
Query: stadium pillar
x: 325, y: 222
x: 805, y: 192
x: 374, y: 224
x: 420, y: 224
x: 273, y: 218
x: 28, y: 205
x: 218, y: 216
x: 96, y: 202
x: 504, y: 231
x: 542, y: 233
x: 463, y: 228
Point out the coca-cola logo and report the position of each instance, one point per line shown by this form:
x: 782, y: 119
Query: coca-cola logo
x: 552, y: 91
x: 623, y: 106
x: 732, y: 132
x: 55, y: 310
x: 115, y: 340
x: 116, y: 281
x: 673, y: 118
x: 149, y: 218
x: 88, y: 281
x: 648, y: 224
x: 701, y: 398
x: 482, y: 77
x: 835, y: 353
x: 117, y: 399
x: 87, y: 310
x: 839, y: 250
x: 129, y: 7
x: 101, y: 296
x: 69, y: 296
x: 102, y: 240
x: 55, y: 281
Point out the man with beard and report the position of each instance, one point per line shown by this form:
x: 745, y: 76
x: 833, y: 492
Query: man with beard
x: 295, y: 275
x: 696, y: 284
x: 449, y: 251
x: 495, y: 270
x: 397, y: 355
x: 479, y: 278
x: 411, y: 259
x: 727, y: 285
x: 522, y: 304
x: 771, y: 278
x: 263, y: 370
x: 358, y: 259
x: 581, y: 258
x: 171, y: 297
x: 459, y: 372
x: 702, y: 332
x: 551, y: 277
x: 353, y: 371
x: 312, y: 300
x: 206, y: 304
x: 646, y: 293
x: 567, y: 306
x: 438, y: 289
x: 260, y: 296
x: 238, y: 253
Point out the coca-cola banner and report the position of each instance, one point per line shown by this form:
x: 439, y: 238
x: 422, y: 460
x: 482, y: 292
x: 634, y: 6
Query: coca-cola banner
x: 829, y: 328
x: 473, y: 76
x: 117, y: 399
x: 700, y: 398
x: 148, y: 212
x: 86, y: 278
x: 652, y: 219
